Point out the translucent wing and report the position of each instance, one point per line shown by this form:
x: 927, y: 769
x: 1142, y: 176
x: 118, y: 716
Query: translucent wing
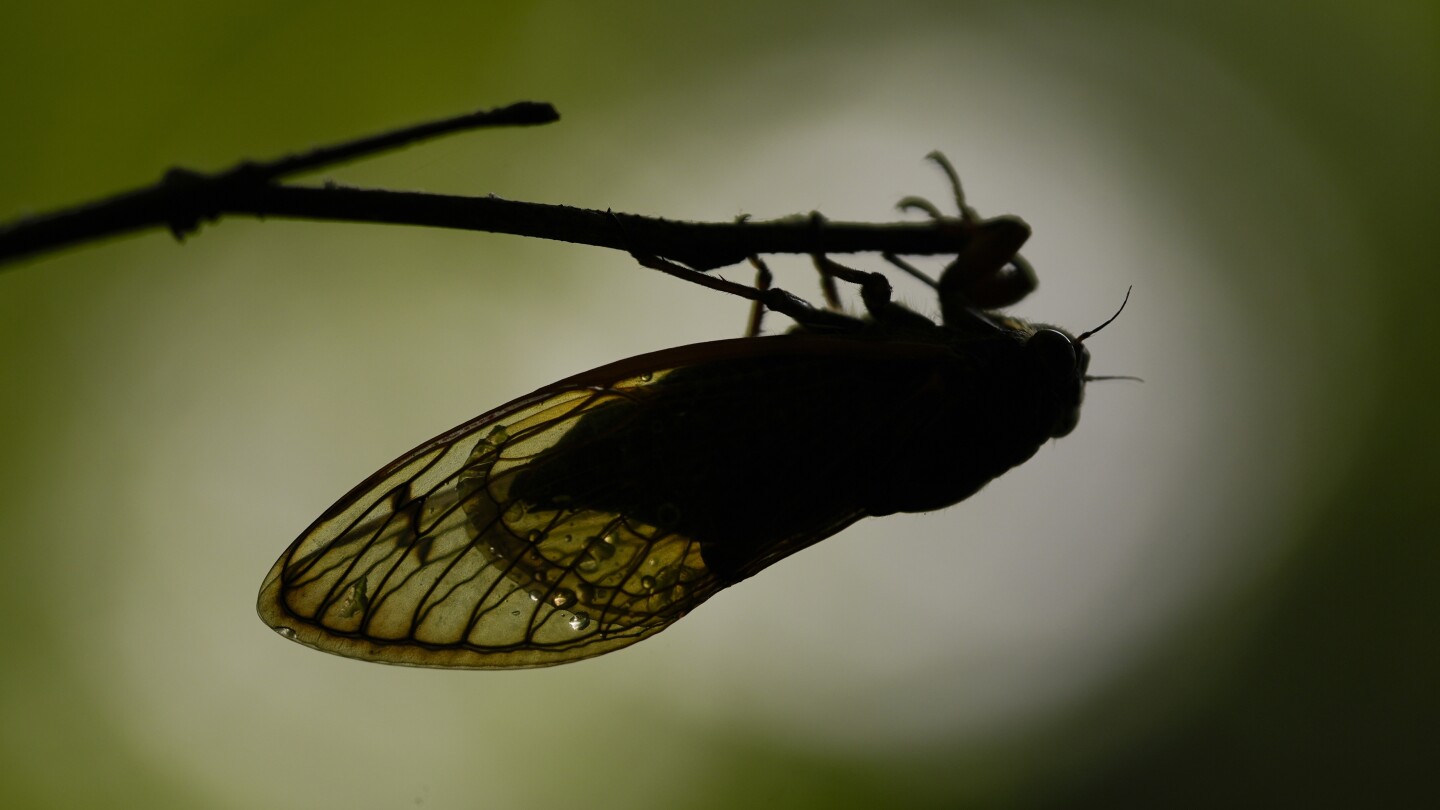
x: 432, y: 562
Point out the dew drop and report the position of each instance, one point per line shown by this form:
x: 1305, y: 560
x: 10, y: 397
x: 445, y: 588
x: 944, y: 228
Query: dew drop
x: 562, y: 597
x: 667, y: 576
x: 579, y: 621
x: 597, y: 551
x: 286, y: 632
x: 355, y: 600
x: 489, y: 446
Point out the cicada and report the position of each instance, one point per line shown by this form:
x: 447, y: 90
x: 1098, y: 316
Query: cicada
x: 598, y: 510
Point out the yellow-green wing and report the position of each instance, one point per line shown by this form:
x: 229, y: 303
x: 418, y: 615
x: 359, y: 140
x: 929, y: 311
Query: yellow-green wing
x: 431, y: 562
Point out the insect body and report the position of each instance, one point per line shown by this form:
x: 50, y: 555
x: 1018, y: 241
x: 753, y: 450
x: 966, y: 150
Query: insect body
x: 601, y: 508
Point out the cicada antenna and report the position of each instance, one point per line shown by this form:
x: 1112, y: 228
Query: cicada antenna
x: 1110, y: 320
x: 1089, y: 378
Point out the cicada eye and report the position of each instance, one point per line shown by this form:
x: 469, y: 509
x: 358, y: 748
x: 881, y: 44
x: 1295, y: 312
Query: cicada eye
x: 1060, y: 363
x: 1055, y: 351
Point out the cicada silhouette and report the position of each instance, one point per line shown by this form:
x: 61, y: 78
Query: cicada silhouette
x: 600, y: 509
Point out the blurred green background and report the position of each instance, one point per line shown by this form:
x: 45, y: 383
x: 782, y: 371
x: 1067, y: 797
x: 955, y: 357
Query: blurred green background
x: 1218, y: 592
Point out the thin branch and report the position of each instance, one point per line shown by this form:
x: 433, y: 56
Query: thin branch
x: 701, y: 245
x: 523, y: 113
x: 184, y: 199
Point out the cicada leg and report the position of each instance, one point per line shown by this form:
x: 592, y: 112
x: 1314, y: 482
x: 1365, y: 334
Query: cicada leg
x: 763, y: 279
x: 875, y: 292
x: 828, y: 289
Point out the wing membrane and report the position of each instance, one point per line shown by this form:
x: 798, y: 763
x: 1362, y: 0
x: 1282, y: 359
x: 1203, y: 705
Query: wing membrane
x: 433, y: 562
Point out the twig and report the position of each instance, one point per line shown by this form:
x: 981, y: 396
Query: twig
x: 185, y: 198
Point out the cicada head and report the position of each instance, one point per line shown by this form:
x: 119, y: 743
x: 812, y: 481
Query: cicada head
x: 1059, y: 362
x: 1063, y: 362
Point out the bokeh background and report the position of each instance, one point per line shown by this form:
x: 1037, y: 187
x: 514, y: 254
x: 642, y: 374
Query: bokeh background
x: 1219, y: 591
